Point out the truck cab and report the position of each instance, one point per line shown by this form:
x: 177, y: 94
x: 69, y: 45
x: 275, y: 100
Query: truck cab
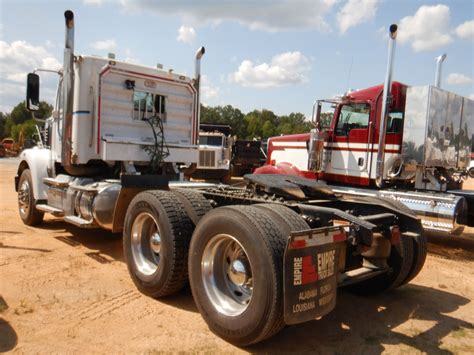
x: 215, y: 145
x: 425, y: 157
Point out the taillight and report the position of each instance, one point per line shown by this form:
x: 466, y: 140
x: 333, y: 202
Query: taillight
x: 394, y: 235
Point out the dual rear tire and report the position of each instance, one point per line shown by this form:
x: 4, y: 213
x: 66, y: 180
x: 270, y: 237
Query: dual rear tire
x: 235, y: 258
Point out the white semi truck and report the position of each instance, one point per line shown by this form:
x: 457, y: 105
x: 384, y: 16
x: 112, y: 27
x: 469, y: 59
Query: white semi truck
x: 257, y: 257
x: 215, y: 148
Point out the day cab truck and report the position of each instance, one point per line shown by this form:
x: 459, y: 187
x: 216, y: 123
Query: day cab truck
x: 394, y: 141
x: 257, y: 257
x: 215, y: 146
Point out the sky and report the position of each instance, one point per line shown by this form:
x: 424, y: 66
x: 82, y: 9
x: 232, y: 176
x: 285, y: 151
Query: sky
x: 279, y: 55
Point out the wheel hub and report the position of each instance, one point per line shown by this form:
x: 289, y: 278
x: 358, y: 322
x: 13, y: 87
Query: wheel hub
x: 155, y: 243
x: 238, y: 272
x: 145, y: 244
x: 24, y: 197
x: 227, y: 275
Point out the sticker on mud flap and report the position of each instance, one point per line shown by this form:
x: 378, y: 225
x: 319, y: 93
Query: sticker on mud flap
x: 310, y: 274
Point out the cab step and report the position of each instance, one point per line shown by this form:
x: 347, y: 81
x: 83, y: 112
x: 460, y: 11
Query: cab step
x: 49, y: 209
x: 80, y: 222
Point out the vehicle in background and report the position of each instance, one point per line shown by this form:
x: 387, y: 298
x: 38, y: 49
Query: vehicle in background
x: 245, y: 156
x: 215, y: 145
x: 8, y: 143
x: 409, y: 144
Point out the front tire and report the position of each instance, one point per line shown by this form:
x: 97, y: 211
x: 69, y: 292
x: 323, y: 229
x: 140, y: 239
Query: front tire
x: 156, y: 237
x: 236, y: 273
x: 26, y: 201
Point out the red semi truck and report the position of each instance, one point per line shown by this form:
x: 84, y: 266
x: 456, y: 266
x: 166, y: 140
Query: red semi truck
x: 410, y: 144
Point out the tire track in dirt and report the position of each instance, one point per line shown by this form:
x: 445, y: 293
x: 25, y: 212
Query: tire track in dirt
x: 100, y: 308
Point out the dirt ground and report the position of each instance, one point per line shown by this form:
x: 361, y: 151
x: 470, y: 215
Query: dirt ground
x: 63, y: 289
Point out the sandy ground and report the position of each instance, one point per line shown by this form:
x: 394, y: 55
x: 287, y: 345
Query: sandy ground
x: 63, y: 289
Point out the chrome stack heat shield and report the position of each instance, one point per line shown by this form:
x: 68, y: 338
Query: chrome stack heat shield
x: 438, y: 212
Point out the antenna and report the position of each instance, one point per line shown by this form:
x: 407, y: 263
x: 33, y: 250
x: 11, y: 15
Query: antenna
x: 349, y: 74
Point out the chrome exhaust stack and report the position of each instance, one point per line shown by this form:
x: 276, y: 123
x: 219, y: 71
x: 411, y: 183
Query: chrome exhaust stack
x: 386, y: 101
x: 439, y: 65
x: 68, y: 89
x: 197, y: 84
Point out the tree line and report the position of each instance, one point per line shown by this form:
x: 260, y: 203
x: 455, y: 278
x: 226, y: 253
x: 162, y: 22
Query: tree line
x: 20, y: 118
x: 257, y: 124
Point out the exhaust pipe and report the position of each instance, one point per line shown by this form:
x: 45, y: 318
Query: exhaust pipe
x: 68, y: 89
x: 197, y: 84
x: 439, y: 64
x: 386, y: 101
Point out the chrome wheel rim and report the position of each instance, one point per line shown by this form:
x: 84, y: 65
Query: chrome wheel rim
x: 227, y: 275
x: 145, y: 244
x: 24, y: 198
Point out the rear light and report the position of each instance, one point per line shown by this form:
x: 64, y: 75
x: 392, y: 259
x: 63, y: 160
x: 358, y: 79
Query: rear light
x: 394, y: 235
x: 298, y: 244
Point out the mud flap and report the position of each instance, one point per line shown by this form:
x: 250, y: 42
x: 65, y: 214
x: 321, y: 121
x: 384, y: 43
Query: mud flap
x: 310, y: 273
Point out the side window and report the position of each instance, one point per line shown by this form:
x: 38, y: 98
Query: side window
x: 352, y: 117
x: 146, y: 105
x: 395, y: 122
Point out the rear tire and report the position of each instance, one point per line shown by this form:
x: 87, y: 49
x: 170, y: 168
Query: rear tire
x: 26, y: 201
x: 156, y: 236
x: 289, y: 220
x: 195, y: 204
x: 420, y: 249
x: 241, y: 297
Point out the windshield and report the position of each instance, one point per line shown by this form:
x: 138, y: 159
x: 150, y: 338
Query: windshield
x: 210, y: 140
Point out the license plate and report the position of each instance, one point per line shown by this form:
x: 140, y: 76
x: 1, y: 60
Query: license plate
x: 310, y: 273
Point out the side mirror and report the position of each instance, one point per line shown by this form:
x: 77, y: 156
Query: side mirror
x: 32, y: 92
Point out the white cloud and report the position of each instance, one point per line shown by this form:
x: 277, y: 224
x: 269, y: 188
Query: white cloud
x: 428, y: 29
x: 208, y: 90
x: 93, y: 2
x: 258, y: 15
x: 16, y: 60
x: 186, y: 34
x: 130, y: 58
x: 105, y: 45
x: 284, y: 69
x: 458, y: 79
x: 471, y: 96
x: 355, y: 12
x: 466, y: 30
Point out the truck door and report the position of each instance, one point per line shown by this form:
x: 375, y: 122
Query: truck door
x: 350, y: 145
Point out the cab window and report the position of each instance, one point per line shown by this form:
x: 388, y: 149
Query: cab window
x: 146, y: 105
x: 211, y: 140
x: 395, y: 122
x: 354, y: 116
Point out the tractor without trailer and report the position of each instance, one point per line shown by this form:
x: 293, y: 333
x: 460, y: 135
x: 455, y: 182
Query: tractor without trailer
x: 215, y: 146
x: 409, y: 144
x: 257, y: 257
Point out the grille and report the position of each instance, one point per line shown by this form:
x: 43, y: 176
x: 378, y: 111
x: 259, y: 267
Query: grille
x: 207, y: 158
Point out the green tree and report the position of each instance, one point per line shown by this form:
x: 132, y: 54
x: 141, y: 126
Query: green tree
x: 3, y: 120
x: 29, y: 130
x: 227, y: 115
x: 20, y: 114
